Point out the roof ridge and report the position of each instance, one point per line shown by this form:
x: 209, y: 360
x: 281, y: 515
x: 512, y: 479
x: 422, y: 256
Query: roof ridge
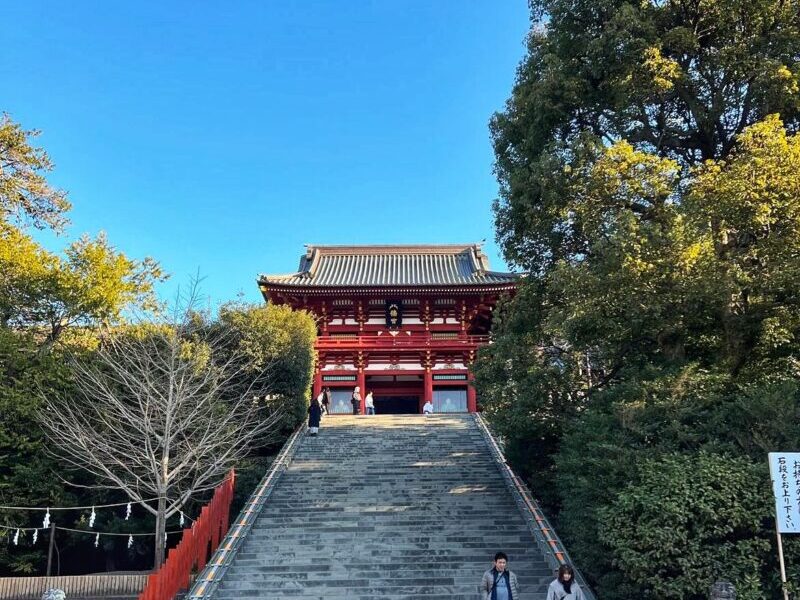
x: 382, y: 249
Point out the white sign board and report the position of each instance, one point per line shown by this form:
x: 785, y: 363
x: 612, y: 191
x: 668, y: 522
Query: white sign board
x: 784, y: 469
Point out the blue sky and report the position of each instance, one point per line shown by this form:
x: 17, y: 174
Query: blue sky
x: 221, y: 137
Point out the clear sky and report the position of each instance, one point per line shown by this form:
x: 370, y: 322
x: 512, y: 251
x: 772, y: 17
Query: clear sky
x: 221, y: 137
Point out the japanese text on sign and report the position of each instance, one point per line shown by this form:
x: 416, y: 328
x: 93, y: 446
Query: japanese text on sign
x: 784, y: 469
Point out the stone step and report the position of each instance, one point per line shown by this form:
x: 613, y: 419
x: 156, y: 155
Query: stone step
x: 357, y: 595
x: 467, y: 592
x: 363, y: 578
x: 387, y: 514
x: 388, y: 527
x: 522, y: 564
x: 364, y: 540
x: 385, y: 556
x: 475, y: 552
x: 418, y: 577
x: 369, y: 586
x: 368, y: 569
x: 476, y: 528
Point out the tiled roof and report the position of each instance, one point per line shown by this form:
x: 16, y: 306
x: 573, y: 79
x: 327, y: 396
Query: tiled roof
x: 346, y: 266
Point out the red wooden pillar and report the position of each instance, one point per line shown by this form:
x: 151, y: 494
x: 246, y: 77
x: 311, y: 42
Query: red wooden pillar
x: 317, y: 383
x: 428, y: 386
x: 472, y: 401
x: 362, y: 386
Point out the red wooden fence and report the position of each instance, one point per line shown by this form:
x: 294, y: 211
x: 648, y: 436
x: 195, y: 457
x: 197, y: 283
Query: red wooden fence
x: 195, y: 547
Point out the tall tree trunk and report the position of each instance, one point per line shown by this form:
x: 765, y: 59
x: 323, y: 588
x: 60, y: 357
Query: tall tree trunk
x: 161, y: 527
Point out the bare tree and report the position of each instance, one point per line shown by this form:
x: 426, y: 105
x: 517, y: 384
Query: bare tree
x: 163, y: 411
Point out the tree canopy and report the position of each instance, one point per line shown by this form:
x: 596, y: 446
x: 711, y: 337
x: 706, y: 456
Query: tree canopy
x: 92, y: 284
x: 648, y: 169
x: 25, y: 194
x: 677, y: 79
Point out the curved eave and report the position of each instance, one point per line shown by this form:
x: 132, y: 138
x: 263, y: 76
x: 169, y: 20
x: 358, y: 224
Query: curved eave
x: 461, y: 289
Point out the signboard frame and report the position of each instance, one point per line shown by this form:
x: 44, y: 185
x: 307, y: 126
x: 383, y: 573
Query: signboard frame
x: 784, y: 471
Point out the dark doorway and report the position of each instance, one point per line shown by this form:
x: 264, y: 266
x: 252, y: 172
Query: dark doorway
x: 397, y: 405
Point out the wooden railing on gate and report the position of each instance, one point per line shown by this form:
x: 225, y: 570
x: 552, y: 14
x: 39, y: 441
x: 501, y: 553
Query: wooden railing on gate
x: 195, y: 548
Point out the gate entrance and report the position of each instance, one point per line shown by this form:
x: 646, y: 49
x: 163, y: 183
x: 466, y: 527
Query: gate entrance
x: 396, y: 405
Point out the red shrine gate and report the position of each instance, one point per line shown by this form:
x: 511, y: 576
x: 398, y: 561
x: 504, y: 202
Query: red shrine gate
x: 404, y: 322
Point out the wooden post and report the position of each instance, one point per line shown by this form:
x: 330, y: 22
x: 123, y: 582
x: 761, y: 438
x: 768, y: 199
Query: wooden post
x: 428, y: 386
x: 317, y: 383
x: 50, y: 549
x: 783, y: 565
x: 362, y: 384
x: 472, y: 402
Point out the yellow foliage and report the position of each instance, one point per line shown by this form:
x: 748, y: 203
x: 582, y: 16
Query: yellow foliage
x: 663, y: 72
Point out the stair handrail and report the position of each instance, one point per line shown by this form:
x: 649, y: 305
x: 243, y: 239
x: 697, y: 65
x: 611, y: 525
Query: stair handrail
x: 546, y: 537
x: 210, y: 577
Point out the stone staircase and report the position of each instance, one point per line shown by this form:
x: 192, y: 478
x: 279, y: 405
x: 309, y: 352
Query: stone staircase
x: 386, y: 507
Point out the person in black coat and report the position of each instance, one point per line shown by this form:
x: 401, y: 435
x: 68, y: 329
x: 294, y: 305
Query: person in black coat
x: 314, y: 416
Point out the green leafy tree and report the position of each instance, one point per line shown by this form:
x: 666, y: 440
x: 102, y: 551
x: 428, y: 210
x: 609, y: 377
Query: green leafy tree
x: 529, y: 387
x: 28, y: 475
x: 282, y: 338
x: 25, y: 194
x: 746, y: 209
x: 93, y: 284
x: 649, y: 414
x: 681, y: 80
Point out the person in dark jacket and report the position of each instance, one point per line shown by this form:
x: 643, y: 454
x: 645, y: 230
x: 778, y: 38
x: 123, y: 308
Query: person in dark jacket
x: 499, y: 583
x: 314, y: 416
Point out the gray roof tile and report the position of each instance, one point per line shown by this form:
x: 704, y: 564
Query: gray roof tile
x: 346, y: 266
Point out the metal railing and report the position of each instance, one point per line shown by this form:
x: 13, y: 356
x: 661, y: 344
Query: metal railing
x: 544, y: 534
x: 209, y: 578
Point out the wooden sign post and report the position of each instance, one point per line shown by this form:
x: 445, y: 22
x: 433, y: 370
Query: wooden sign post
x: 784, y: 470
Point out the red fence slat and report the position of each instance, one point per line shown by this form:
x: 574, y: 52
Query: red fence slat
x: 193, y: 549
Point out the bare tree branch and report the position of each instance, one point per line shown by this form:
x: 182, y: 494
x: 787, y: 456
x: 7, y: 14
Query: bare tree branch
x: 163, y: 410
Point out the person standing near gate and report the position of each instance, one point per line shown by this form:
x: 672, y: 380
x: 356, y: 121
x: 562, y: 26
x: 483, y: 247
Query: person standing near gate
x: 370, y: 404
x: 356, y: 400
x: 314, y: 415
x: 326, y: 400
